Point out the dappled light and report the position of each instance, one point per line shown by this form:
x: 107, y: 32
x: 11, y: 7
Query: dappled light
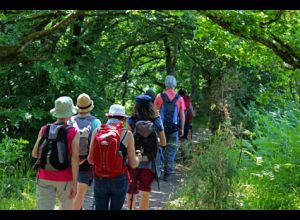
x: 218, y: 89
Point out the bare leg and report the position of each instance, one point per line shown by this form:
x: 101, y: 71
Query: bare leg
x: 78, y: 200
x: 144, y: 203
x: 133, y: 201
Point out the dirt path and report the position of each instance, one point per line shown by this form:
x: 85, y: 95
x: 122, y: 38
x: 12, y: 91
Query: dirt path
x: 158, y: 199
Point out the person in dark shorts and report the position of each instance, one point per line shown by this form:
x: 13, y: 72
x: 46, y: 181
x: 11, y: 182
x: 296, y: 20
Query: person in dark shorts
x: 86, y: 124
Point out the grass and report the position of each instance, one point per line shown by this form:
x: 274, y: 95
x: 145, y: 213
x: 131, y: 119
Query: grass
x: 267, y: 178
x: 17, y: 193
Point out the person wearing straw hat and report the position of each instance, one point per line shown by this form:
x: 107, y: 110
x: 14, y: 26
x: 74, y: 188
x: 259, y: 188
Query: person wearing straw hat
x: 110, y: 189
x: 60, y: 142
x: 86, y: 123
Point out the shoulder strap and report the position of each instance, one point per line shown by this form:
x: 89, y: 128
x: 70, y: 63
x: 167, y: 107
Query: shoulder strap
x: 45, y: 131
x: 164, y: 97
x: 125, y: 135
x: 175, y: 98
x: 68, y: 127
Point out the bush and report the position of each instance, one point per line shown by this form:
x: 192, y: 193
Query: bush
x: 270, y: 174
x: 210, y: 180
x: 17, y: 182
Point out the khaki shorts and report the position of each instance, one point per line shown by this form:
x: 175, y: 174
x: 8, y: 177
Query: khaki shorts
x: 46, y: 192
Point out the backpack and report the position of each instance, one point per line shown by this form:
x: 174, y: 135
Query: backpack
x: 188, y: 112
x: 169, y: 113
x: 188, y: 115
x: 84, y: 126
x: 109, y: 158
x: 53, y: 152
x: 145, y: 139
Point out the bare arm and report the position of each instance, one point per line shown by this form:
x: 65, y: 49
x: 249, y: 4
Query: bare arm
x: 182, y: 121
x: 74, y: 165
x: 91, y: 153
x: 35, y: 148
x: 133, y: 160
x: 128, y: 127
x: 75, y: 157
x: 162, y: 138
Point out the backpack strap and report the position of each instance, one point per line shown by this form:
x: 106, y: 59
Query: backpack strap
x: 125, y: 135
x: 175, y: 98
x: 123, y: 148
x: 45, y: 135
x: 165, y: 98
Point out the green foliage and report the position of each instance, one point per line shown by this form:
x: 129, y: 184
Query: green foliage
x: 261, y: 171
x: 11, y: 154
x: 17, y: 185
x: 269, y: 177
x: 210, y: 182
x: 233, y: 63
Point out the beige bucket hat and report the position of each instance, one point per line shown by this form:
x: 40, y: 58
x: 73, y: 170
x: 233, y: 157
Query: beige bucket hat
x: 84, y: 103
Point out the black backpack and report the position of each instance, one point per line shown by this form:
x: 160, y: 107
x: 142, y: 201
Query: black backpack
x: 145, y: 139
x: 53, y: 153
x: 169, y: 113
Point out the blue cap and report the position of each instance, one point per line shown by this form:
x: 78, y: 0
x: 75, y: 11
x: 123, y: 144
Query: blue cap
x: 143, y: 98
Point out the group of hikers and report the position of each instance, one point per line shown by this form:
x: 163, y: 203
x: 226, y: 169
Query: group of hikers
x: 77, y: 150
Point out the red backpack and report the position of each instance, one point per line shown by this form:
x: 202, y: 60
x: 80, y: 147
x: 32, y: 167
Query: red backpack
x: 188, y: 113
x: 108, y: 157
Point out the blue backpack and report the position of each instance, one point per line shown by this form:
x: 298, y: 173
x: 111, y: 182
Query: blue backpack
x: 169, y: 113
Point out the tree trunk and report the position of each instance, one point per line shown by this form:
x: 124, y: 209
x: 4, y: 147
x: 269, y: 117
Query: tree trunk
x: 171, y: 56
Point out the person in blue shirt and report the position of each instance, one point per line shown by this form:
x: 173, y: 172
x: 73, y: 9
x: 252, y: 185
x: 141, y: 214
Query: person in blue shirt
x: 86, y: 123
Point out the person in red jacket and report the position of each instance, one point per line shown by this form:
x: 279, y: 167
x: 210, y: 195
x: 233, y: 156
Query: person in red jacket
x: 189, y: 112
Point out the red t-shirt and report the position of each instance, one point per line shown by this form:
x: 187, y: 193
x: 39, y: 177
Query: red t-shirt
x: 171, y: 94
x: 62, y: 175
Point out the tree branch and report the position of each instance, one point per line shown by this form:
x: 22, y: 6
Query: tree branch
x: 140, y: 42
x: 287, y: 56
x: 7, y: 52
x: 277, y: 17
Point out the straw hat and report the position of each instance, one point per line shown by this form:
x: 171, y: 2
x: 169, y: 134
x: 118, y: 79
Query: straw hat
x: 64, y: 108
x: 84, y: 103
x: 116, y: 110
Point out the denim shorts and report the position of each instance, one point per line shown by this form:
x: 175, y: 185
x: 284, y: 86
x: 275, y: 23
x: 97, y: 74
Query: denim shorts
x: 85, y: 177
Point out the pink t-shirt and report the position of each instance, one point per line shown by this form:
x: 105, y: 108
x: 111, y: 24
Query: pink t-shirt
x: 171, y: 94
x: 63, y: 175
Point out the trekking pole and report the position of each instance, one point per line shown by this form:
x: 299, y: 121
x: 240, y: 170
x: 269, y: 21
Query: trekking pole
x: 132, y: 189
x: 191, y: 127
x: 156, y: 176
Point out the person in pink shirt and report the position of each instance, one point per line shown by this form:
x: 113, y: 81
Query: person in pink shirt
x: 171, y: 107
x: 57, y: 149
